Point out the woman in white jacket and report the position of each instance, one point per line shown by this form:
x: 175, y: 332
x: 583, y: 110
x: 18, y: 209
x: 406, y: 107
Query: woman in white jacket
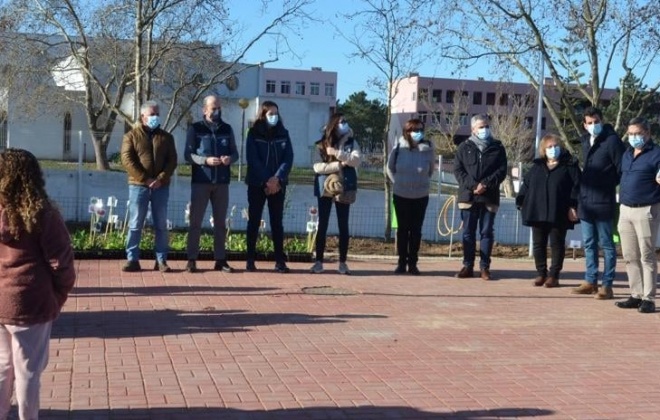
x: 336, y: 153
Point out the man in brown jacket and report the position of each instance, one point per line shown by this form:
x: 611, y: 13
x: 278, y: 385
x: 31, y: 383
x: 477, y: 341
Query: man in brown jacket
x: 149, y: 155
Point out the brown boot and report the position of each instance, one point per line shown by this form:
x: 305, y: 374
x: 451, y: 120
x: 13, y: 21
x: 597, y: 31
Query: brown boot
x: 605, y: 293
x: 551, y: 282
x: 585, y: 288
x: 485, y: 274
x: 466, y: 272
x: 539, y: 281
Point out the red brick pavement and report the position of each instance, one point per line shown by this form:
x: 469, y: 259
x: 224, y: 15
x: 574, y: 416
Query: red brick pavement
x: 251, y: 345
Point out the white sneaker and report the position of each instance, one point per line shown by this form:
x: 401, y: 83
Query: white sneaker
x: 343, y: 268
x: 317, y: 268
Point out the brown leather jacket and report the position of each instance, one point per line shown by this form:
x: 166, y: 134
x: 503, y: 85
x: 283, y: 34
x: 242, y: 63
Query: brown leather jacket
x: 38, y: 271
x: 148, y: 158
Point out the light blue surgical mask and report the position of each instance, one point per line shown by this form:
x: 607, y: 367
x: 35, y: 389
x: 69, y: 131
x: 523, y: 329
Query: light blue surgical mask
x: 553, y: 152
x: 272, y: 119
x: 483, y: 133
x: 153, y: 122
x: 342, y: 128
x: 417, y: 135
x: 595, y: 129
x: 636, y: 141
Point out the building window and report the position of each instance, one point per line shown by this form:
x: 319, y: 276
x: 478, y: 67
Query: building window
x: 437, y: 95
x: 67, y: 133
x: 529, y: 122
x: 436, y: 118
x: 476, y: 98
x: 422, y: 116
x: 3, y: 130
x: 543, y: 123
x: 270, y: 86
x: 300, y: 88
x: 329, y: 89
x: 315, y: 88
x: 504, y: 99
x: 490, y: 98
x: 285, y: 87
x: 424, y: 94
x: 464, y: 119
x: 465, y: 95
x: 449, y: 97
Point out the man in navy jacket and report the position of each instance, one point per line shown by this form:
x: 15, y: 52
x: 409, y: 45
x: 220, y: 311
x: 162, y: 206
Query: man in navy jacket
x: 210, y: 150
x: 640, y: 215
x: 601, y: 171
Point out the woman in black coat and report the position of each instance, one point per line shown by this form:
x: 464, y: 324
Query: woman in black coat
x: 548, y: 203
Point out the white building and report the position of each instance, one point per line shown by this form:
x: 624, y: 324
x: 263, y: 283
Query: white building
x: 306, y: 98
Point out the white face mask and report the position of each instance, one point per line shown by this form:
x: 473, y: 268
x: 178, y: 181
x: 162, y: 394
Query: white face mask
x: 272, y: 119
x: 342, y: 128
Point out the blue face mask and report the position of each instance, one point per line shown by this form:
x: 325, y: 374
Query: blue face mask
x: 553, y: 152
x: 483, y: 133
x: 153, y: 122
x: 272, y: 119
x: 595, y: 129
x: 636, y: 141
x: 417, y: 135
x: 342, y: 128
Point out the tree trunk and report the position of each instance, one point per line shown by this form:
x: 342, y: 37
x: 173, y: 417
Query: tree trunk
x: 100, y: 143
x: 507, y: 185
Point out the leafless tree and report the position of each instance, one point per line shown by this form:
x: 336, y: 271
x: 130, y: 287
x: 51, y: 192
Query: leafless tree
x: 446, y: 120
x: 511, y: 122
x: 581, y: 43
x: 128, y: 51
x: 390, y: 36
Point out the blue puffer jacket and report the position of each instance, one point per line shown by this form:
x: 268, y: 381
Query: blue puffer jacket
x: 269, y: 153
x: 205, y: 140
x: 601, y: 172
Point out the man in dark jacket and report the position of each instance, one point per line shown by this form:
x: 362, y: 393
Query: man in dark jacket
x: 601, y: 153
x: 480, y: 167
x: 210, y: 150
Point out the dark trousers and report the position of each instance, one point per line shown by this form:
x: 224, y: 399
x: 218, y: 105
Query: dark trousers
x: 477, y: 214
x: 410, y: 214
x: 256, y: 200
x: 325, y: 207
x: 557, y: 236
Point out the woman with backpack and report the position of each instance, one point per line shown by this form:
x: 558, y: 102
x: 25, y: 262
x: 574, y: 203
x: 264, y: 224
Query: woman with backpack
x: 337, y: 157
x: 410, y: 167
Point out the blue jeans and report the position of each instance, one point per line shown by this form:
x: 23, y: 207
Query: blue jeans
x: 139, y: 198
x: 477, y: 214
x: 595, y: 234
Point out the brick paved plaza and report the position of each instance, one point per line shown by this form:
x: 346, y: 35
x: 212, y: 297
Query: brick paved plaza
x: 211, y: 345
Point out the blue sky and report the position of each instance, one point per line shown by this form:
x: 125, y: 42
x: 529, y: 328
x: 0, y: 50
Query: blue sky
x: 318, y: 45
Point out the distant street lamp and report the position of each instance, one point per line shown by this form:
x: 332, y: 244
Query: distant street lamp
x: 243, y: 103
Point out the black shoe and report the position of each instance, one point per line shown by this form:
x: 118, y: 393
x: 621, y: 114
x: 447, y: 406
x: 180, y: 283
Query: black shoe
x: 162, y: 267
x: 221, y: 265
x: 647, y: 307
x: 249, y: 266
x: 191, y: 267
x: 413, y: 270
x: 400, y: 269
x: 282, y: 268
x: 630, y: 303
x: 131, y: 267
